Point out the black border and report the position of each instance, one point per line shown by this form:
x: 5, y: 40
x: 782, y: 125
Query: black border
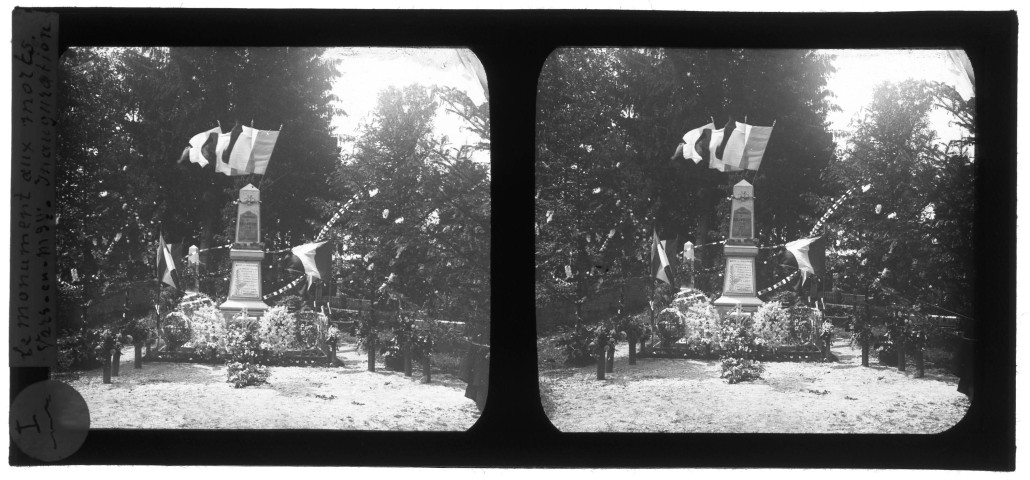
x: 513, y: 432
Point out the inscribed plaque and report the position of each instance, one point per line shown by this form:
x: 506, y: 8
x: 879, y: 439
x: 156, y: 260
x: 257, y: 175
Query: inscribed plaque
x: 248, y: 228
x: 740, y: 224
x: 245, y: 280
x: 740, y: 276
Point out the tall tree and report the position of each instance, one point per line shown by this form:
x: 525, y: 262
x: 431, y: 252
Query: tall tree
x: 420, y: 231
x: 909, y: 238
x: 608, y: 121
x: 131, y: 112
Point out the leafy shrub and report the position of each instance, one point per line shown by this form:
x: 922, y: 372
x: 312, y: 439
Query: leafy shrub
x: 77, y: 349
x: 737, y: 335
x: 292, y: 303
x: 369, y: 327
x: 575, y: 343
x: 246, y: 354
x: 804, y: 324
x: 736, y: 370
x: 861, y: 330
x: 245, y: 374
x: 549, y: 353
x: 772, y: 327
x: 277, y: 330
x: 310, y: 330
x: 605, y: 334
x: 207, y: 332
x: 826, y: 331
x: 692, y: 320
x: 139, y: 331
x: 175, y: 330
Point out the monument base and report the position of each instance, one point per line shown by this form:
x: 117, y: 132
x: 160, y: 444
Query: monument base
x: 726, y: 304
x: 231, y: 308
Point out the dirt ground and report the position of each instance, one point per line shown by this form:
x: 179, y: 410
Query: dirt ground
x: 679, y: 395
x: 196, y: 396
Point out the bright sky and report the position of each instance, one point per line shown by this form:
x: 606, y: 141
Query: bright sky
x: 367, y: 71
x: 860, y: 71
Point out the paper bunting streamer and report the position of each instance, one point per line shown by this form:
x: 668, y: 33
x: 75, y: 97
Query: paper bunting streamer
x: 284, y: 289
x: 818, y: 225
x: 336, y: 216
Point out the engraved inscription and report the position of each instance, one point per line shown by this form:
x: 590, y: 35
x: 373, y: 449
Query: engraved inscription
x: 247, y: 228
x: 245, y: 280
x: 740, y: 224
x: 740, y: 276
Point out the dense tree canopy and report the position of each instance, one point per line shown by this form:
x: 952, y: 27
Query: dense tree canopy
x: 609, y: 119
x: 128, y: 114
x: 908, y: 240
x: 419, y: 232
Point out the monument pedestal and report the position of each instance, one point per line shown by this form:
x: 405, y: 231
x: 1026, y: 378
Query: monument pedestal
x: 739, y: 287
x: 246, y: 255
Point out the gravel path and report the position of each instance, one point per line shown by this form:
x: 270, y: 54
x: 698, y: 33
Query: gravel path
x: 677, y: 395
x: 196, y: 396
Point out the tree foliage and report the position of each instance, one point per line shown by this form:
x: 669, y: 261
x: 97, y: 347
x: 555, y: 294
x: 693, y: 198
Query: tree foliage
x: 419, y: 234
x: 608, y: 121
x: 909, y: 239
x: 128, y: 114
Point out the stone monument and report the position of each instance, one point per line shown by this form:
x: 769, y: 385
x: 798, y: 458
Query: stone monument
x: 740, y: 251
x: 246, y: 255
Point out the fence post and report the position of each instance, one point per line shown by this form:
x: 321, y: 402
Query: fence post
x: 137, y: 363
x: 601, y: 361
x: 609, y: 365
x: 865, y: 354
x: 919, y: 364
x: 427, y: 368
x: 107, y: 367
x: 407, y: 360
x: 116, y: 362
x: 901, y: 355
x: 371, y: 342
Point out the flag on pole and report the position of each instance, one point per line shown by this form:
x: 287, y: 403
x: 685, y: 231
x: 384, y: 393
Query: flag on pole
x: 737, y: 146
x: 315, y: 259
x: 745, y: 146
x: 239, y: 157
x: 201, y: 149
x: 240, y: 151
x: 221, y: 158
x: 263, y: 142
x: 167, y: 263
x: 696, y: 143
x: 672, y: 253
x: 810, y: 253
x: 659, y: 260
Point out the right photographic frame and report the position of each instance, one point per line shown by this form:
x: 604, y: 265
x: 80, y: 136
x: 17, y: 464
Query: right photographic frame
x: 756, y: 241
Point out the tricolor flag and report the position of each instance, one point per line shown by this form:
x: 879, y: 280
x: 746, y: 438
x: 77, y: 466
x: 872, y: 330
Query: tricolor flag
x: 659, y: 260
x: 697, y: 143
x: 167, y: 262
x: 252, y: 150
x: 315, y: 259
x: 738, y: 146
x: 703, y: 143
x: 745, y: 146
x: 201, y: 149
x: 240, y: 151
x: 810, y: 254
